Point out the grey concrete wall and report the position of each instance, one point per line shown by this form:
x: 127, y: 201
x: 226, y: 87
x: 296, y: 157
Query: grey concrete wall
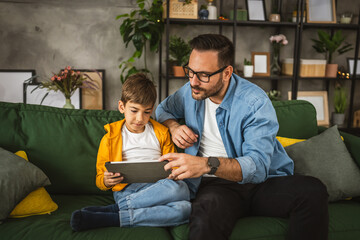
x: 47, y: 35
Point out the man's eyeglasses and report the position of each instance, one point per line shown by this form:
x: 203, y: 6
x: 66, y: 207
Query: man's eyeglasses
x: 202, y: 76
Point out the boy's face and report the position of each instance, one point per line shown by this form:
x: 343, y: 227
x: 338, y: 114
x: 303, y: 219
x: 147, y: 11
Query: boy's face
x: 136, y: 115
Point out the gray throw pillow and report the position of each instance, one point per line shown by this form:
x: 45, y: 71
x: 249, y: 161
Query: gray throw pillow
x: 326, y: 157
x: 18, y: 178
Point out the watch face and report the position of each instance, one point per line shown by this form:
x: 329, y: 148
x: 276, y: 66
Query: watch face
x: 213, y: 163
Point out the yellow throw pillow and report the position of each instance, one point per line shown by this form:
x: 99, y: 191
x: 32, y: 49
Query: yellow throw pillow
x: 288, y: 141
x: 36, y: 203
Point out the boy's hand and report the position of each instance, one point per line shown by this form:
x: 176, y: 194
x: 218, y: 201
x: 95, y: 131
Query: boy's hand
x: 111, y: 179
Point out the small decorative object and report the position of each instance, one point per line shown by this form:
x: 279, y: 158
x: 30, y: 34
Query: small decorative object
x: 346, y: 18
x: 294, y: 16
x: 203, y: 12
x: 248, y: 68
x: 181, y: 9
x: 212, y: 10
x: 340, y: 102
x: 277, y: 41
x: 323, y: 11
x: 179, y: 53
x: 328, y: 45
x: 275, y: 11
x: 67, y: 81
x: 261, y: 62
x: 241, y: 14
x: 274, y: 95
x: 356, y: 122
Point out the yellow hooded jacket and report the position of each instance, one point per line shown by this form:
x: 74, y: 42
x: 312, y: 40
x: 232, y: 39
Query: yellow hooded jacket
x: 110, y: 149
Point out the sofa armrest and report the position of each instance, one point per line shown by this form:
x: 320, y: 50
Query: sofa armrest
x: 352, y: 143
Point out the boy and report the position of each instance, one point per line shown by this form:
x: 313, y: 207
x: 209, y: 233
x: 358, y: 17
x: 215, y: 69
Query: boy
x: 136, y: 137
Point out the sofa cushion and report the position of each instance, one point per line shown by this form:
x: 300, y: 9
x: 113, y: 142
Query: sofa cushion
x: 297, y: 119
x: 57, y: 225
x: 343, y: 224
x: 64, y: 144
x: 35, y: 203
x: 18, y: 178
x: 325, y: 156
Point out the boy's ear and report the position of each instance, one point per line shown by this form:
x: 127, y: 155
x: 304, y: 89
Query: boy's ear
x: 121, y: 106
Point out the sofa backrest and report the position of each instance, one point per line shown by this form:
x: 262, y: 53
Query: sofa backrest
x: 297, y: 119
x: 64, y: 143
x: 61, y: 142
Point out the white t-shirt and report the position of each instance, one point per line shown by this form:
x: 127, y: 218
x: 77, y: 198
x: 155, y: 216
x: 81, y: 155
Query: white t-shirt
x: 211, y: 144
x: 140, y: 146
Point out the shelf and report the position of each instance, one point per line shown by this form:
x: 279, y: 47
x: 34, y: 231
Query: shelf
x: 230, y: 22
x: 331, y: 25
x: 267, y: 77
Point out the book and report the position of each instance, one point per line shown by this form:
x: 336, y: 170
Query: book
x: 139, y: 172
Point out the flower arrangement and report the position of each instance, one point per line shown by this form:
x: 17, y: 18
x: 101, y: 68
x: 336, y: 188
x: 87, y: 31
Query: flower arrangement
x: 277, y: 41
x: 66, y: 81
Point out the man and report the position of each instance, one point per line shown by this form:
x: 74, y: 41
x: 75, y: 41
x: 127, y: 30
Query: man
x: 229, y: 135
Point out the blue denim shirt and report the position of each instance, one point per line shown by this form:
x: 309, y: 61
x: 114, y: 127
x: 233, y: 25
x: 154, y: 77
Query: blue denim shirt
x: 247, y: 123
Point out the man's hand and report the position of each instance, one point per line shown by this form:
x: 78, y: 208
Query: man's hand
x: 111, y: 179
x: 181, y: 135
x: 185, y: 166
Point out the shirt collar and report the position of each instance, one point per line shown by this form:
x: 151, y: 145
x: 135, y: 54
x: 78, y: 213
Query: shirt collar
x: 229, y: 95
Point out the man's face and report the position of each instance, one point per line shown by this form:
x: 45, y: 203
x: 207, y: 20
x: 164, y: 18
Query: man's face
x: 136, y: 115
x: 207, y: 62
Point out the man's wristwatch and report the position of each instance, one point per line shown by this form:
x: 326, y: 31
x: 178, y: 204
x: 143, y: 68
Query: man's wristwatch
x: 213, y: 163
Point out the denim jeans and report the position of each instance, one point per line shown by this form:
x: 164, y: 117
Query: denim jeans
x: 164, y: 203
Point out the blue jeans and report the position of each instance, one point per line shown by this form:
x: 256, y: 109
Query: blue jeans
x: 164, y: 203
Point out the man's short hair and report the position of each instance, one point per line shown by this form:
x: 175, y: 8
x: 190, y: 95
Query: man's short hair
x: 217, y: 42
x: 138, y: 88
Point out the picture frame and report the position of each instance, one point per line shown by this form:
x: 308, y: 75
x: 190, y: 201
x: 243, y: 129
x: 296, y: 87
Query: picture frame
x: 93, y: 99
x: 11, y: 84
x: 256, y: 10
x: 320, y: 11
x: 54, y: 99
x: 350, y: 63
x: 319, y: 99
x: 261, y: 62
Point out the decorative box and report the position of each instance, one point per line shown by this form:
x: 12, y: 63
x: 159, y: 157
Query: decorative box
x: 180, y: 9
x: 308, y: 67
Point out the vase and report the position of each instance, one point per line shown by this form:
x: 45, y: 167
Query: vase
x: 68, y: 104
x: 203, y: 14
x: 248, y: 70
x: 338, y: 119
x: 331, y: 70
x: 178, y: 71
x: 275, y: 66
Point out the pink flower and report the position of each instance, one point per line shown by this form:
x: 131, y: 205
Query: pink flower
x: 68, y: 68
x: 78, y: 72
x: 53, y: 78
x: 66, y: 71
x: 279, y: 39
x: 59, y: 78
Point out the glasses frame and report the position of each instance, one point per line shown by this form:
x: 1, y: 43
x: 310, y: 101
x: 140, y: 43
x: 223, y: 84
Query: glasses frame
x: 208, y: 75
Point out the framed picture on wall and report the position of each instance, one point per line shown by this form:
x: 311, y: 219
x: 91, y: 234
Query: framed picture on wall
x: 53, y: 99
x: 93, y: 98
x: 319, y: 99
x: 11, y: 84
x: 350, y: 62
x: 320, y: 11
x: 261, y: 62
x: 256, y: 10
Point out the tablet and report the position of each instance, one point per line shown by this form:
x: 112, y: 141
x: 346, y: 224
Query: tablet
x: 139, y: 172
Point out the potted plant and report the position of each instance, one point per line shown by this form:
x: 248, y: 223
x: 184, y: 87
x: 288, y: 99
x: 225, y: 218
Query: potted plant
x: 248, y: 68
x: 329, y: 45
x: 274, y: 95
x: 141, y: 27
x: 340, y: 103
x: 179, y: 51
x: 275, y: 11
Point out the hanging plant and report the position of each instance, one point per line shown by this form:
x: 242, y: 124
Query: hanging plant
x: 141, y: 27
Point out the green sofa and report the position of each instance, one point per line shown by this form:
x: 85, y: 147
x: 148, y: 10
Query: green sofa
x: 63, y: 143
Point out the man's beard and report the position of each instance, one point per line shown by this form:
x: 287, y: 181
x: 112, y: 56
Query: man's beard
x: 207, y: 93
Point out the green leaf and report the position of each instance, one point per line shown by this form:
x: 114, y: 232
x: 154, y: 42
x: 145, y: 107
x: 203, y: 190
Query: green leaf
x: 122, y: 15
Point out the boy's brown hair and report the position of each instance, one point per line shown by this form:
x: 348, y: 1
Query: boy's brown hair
x: 138, y: 88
